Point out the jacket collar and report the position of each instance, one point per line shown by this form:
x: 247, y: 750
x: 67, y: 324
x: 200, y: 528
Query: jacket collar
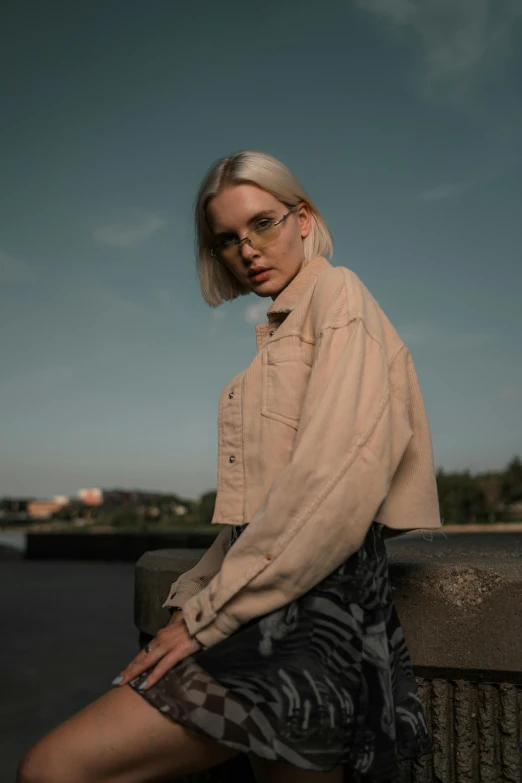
x: 290, y: 296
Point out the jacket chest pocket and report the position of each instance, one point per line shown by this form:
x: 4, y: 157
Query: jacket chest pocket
x: 286, y: 371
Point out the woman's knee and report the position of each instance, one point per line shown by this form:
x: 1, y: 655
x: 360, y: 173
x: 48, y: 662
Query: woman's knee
x: 50, y: 760
x: 36, y: 766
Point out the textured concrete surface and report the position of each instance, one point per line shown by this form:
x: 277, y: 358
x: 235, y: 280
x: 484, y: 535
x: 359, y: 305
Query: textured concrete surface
x: 476, y: 733
x: 503, y: 546
x: 155, y: 572
x: 458, y: 598
x: 459, y: 601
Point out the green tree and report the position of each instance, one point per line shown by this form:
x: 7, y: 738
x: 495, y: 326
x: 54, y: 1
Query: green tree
x: 511, y: 485
x: 64, y: 514
x: 207, y: 503
x: 490, y: 485
x: 125, y: 517
x: 461, y: 498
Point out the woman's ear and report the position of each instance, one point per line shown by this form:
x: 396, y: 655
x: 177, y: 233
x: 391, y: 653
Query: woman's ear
x: 304, y: 215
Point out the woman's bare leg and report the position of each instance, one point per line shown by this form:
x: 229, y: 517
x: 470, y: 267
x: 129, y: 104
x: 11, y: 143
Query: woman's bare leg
x: 119, y: 738
x: 274, y: 772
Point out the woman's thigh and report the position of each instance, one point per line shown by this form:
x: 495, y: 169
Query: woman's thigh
x: 119, y: 738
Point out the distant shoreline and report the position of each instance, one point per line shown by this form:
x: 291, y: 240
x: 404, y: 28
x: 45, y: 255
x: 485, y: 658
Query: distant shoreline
x: 479, y: 527
x: 53, y: 528
x: 483, y: 527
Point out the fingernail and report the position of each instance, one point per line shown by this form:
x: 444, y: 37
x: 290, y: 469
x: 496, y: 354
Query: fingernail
x: 143, y: 685
x: 117, y: 680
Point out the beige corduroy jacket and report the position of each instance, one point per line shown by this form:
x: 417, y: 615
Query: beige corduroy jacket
x: 322, y: 434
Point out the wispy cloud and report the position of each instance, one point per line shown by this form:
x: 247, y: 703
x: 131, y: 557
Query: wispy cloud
x: 419, y: 333
x: 441, y: 192
x: 217, y: 316
x: 76, y: 318
x: 431, y: 335
x: 454, y: 37
x: 468, y: 340
x: 256, y: 313
x: 483, y: 175
x: 130, y: 232
x: 15, y: 271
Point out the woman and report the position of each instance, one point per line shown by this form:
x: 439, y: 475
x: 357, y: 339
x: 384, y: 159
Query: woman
x: 284, y: 642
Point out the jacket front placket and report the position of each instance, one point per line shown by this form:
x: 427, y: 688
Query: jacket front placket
x: 230, y: 508
x: 264, y: 333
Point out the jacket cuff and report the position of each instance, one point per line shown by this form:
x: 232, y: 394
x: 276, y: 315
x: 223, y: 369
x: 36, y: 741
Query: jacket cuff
x: 179, y: 595
x: 204, y: 624
x: 170, y: 601
x: 210, y: 636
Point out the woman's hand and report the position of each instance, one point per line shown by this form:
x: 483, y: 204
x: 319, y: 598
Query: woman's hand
x: 170, y: 646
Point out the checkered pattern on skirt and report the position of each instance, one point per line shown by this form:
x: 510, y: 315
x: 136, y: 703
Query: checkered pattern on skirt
x: 323, y: 681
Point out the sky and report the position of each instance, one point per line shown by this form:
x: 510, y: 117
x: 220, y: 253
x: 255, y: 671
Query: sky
x: 401, y: 118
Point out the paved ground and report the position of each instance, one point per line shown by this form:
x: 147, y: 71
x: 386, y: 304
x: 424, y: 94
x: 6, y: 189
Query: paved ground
x: 67, y: 630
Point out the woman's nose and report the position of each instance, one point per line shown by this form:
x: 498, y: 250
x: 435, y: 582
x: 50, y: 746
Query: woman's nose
x: 247, y: 251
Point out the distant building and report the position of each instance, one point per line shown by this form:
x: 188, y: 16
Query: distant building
x: 15, y: 505
x: 43, y: 509
x: 14, y: 510
x: 91, y: 497
x: 180, y: 511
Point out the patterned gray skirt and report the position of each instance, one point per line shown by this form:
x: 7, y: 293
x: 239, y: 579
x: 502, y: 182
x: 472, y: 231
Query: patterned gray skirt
x: 323, y: 681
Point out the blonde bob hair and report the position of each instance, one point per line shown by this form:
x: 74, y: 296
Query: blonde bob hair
x: 217, y: 283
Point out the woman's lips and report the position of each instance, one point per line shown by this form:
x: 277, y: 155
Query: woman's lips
x: 261, y: 276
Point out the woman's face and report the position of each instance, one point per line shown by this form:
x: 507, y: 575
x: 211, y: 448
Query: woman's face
x: 236, y: 211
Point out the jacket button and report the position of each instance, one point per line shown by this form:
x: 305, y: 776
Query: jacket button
x: 199, y: 615
x: 271, y: 332
x: 231, y: 395
x: 232, y: 459
x: 268, y: 557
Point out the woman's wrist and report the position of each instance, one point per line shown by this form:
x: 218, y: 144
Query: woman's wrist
x: 175, y: 614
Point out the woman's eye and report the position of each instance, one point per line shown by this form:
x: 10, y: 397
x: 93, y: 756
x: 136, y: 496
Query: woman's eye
x: 226, y: 241
x: 262, y: 225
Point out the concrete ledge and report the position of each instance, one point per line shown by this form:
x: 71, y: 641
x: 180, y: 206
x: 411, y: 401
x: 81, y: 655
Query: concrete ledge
x: 459, y: 601
x: 155, y: 572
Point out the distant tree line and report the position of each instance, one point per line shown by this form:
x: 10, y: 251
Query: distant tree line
x: 146, y: 510
x: 484, y: 497
x: 135, y: 509
x: 464, y: 498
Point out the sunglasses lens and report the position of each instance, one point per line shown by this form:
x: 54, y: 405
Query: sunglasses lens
x: 261, y: 237
x: 257, y: 239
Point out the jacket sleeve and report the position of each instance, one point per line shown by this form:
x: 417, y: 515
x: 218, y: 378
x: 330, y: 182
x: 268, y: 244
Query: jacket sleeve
x: 350, y: 440
x: 191, y: 582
